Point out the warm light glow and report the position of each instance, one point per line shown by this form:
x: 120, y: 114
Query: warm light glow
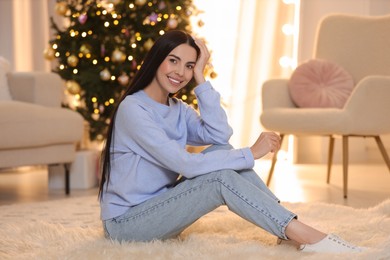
x: 285, y: 179
x: 76, y: 103
x: 296, y: 31
x: 288, y: 29
x: 286, y: 62
x: 282, y: 155
x: 287, y: 2
x: 76, y: 100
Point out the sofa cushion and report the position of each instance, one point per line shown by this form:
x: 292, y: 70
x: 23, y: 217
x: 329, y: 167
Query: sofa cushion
x: 29, y: 125
x: 320, y: 83
x: 4, y: 89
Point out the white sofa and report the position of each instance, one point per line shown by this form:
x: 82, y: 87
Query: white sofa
x: 35, y: 129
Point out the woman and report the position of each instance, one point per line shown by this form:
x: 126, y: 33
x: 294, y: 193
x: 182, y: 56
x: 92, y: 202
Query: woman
x: 142, y: 197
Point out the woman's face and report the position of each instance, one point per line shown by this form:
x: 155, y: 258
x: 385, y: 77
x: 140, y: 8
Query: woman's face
x: 176, y: 70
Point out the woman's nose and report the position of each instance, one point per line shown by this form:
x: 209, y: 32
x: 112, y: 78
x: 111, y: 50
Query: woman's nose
x: 180, y: 70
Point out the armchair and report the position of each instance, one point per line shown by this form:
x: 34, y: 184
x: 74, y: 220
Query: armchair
x: 361, y: 45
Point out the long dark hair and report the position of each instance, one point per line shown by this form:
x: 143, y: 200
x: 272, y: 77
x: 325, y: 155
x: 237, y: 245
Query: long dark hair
x: 144, y: 76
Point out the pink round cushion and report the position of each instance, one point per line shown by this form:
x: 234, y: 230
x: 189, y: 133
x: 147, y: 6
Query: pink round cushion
x: 320, y: 83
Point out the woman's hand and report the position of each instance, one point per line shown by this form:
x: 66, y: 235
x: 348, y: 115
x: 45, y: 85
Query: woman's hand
x: 201, y: 63
x: 267, y: 142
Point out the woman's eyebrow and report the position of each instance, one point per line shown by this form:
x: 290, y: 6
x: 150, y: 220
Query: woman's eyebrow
x: 177, y: 57
x: 173, y: 55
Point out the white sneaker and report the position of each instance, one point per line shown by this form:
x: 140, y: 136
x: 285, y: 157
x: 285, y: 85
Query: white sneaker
x: 331, y: 244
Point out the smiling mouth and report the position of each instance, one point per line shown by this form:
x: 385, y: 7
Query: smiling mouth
x: 174, y: 81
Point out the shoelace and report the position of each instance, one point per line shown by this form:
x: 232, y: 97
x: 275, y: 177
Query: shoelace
x: 338, y: 240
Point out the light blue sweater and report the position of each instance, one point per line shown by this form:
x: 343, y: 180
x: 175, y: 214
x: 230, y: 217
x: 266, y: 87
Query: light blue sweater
x: 149, y: 147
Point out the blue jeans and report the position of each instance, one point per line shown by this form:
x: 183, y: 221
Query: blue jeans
x: 167, y: 215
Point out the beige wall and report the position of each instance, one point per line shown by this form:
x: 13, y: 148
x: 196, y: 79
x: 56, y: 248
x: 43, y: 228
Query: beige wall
x: 315, y: 149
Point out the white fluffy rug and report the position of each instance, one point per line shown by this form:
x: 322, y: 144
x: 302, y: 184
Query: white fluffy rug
x: 70, y: 229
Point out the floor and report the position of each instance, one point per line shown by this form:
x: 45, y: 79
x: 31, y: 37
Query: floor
x: 368, y: 184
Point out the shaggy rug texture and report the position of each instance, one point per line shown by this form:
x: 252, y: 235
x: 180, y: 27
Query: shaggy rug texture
x: 70, y: 229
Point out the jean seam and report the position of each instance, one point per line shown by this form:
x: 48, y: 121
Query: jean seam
x: 251, y: 204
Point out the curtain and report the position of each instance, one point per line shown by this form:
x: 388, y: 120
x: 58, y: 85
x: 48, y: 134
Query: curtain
x: 24, y: 33
x: 247, y: 44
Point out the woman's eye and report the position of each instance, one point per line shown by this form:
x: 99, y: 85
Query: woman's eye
x: 173, y: 61
x: 190, y: 67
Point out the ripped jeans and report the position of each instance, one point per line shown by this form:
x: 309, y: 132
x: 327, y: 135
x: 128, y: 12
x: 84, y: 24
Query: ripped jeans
x: 167, y: 215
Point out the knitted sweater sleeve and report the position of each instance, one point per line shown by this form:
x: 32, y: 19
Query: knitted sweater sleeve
x: 145, y: 137
x: 211, y: 125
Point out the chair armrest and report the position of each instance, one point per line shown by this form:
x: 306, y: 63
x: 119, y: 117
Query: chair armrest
x: 370, y: 102
x: 43, y: 88
x: 275, y: 94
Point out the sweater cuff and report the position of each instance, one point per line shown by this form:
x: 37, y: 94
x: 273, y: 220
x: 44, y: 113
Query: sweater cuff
x: 202, y: 88
x: 250, y: 161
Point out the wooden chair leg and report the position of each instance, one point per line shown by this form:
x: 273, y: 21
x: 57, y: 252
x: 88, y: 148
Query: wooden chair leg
x: 274, y: 158
x: 330, y: 157
x: 383, y: 151
x: 67, y: 178
x: 345, y: 165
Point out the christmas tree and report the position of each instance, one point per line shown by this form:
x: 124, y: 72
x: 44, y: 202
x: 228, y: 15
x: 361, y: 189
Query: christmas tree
x: 104, y: 44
